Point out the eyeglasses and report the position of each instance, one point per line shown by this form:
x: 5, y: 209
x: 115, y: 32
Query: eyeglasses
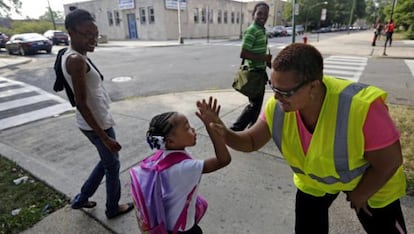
x: 288, y: 93
x: 88, y: 36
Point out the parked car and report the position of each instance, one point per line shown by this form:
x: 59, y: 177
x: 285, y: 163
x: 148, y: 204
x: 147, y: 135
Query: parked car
x: 3, y: 39
x: 269, y: 31
x: 289, y: 31
x: 57, y: 37
x: 299, y: 29
x: 279, y: 31
x: 28, y: 43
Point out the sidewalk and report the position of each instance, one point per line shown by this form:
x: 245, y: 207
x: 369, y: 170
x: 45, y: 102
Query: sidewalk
x: 254, y: 194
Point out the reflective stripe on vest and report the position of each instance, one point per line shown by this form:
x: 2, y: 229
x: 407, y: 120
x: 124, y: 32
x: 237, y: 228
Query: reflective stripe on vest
x: 340, y: 142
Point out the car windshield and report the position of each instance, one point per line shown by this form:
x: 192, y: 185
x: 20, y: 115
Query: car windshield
x: 31, y: 36
x: 60, y: 34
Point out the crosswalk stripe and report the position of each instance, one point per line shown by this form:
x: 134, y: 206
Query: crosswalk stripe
x: 36, y: 104
x: 22, y: 102
x: 410, y: 64
x: 5, y: 84
x: 34, y: 115
x: 346, y: 67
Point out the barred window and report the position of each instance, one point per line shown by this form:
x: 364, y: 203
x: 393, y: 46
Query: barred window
x: 219, y: 17
x: 110, y: 18
x: 117, y: 19
x: 142, y: 15
x: 151, y: 15
x: 225, y: 17
x: 232, y: 17
x: 203, y: 15
x: 196, y: 19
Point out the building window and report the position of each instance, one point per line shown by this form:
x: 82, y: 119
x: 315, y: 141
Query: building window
x: 110, y: 18
x: 210, y: 16
x: 196, y: 20
x: 219, y: 17
x: 203, y: 15
x: 151, y: 16
x: 117, y: 19
x: 142, y: 15
x: 238, y: 18
x: 225, y: 17
x: 232, y: 17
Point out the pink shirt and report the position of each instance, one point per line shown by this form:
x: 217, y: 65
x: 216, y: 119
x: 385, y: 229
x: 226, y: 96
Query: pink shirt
x: 379, y: 129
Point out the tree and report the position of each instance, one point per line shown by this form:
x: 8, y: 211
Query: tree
x: 403, y: 13
x: 57, y: 15
x: 8, y: 6
x: 338, y: 11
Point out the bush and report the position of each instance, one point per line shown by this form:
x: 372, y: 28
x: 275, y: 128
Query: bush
x: 29, y: 26
x: 410, y: 32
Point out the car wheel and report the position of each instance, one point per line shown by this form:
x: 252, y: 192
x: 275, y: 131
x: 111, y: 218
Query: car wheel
x: 49, y: 51
x: 10, y: 52
x: 22, y: 51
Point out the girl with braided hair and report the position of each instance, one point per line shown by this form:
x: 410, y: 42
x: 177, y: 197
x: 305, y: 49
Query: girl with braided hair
x: 171, y: 132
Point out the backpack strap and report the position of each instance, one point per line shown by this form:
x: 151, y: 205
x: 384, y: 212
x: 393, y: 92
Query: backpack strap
x: 93, y: 65
x: 171, y: 159
x: 182, y: 219
x: 164, y: 163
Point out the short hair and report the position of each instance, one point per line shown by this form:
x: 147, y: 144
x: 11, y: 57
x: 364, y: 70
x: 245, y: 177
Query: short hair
x: 303, y: 59
x: 77, y: 17
x: 259, y: 4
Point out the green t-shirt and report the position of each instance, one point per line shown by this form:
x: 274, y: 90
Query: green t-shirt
x: 255, y: 41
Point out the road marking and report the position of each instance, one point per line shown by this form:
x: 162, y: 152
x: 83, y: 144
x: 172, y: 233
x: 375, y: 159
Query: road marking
x: 26, y: 104
x: 346, y: 67
x: 410, y: 65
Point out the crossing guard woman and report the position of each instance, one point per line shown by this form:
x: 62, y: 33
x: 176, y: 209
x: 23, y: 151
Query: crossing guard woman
x: 337, y: 136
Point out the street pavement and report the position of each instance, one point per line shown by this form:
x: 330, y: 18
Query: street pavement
x: 254, y: 194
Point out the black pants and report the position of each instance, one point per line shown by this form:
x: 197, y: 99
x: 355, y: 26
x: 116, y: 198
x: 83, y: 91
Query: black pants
x: 194, y: 230
x: 388, y: 38
x: 249, y: 114
x: 312, y: 216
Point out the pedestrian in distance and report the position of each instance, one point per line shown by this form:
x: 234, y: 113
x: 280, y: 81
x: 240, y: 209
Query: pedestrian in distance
x: 327, y: 131
x: 377, y: 33
x: 389, y: 30
x: 253, y: 53
x: 93, y: 115
x: 171, y: 132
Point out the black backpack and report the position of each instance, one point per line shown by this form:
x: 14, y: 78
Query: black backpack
x: 60, y: 82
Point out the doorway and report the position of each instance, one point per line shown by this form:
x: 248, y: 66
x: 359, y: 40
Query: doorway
x: 132, y: 26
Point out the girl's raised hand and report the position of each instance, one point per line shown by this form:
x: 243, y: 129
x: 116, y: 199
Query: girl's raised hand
x: 209, y: 111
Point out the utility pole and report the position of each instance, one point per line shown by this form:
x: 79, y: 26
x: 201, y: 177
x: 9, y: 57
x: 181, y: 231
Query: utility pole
x: 180, y: 39
x: 293, y: 20
x: 351, y: 15
x: 241, y: 20
x: 208, y: 23
x: 392, y: 9
x: 51, y: 15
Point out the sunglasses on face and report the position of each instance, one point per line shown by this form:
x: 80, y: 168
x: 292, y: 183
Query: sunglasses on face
x: 290, y: 92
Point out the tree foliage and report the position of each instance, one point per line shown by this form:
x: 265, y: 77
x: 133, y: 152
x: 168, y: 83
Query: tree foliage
x: 9, y: 6
x: 28, y: 26
x: 338, y: 12
x: 57, y: 15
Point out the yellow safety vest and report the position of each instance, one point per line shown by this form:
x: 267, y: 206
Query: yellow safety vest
x: 335, y: 158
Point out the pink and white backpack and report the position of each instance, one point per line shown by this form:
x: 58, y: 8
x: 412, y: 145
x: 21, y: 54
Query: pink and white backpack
x: 147, y: 195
